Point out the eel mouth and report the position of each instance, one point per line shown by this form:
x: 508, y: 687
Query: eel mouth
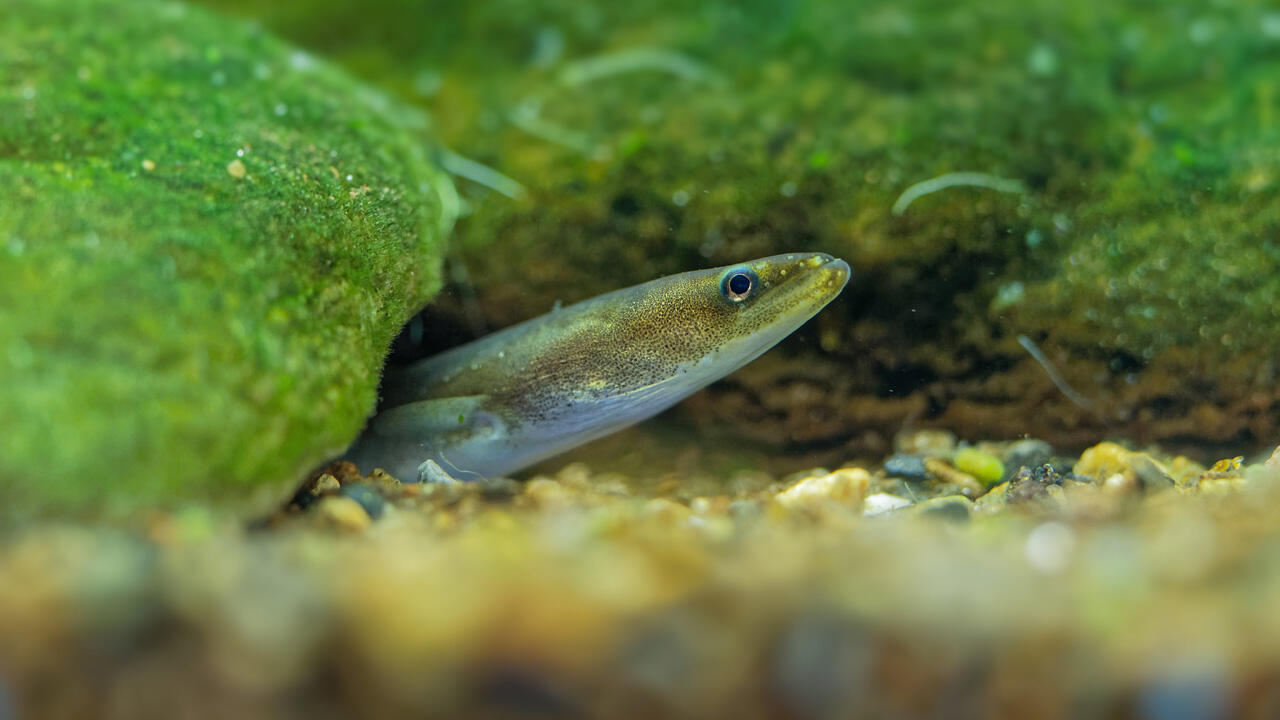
x: 839, y: 269
x: 828, y: 275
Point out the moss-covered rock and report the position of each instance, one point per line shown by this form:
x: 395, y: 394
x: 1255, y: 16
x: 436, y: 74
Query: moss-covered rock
x: 207, y: 240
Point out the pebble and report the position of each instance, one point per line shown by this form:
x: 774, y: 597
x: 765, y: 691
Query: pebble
x: 343, y: 513
x: 499, y: 489
x: 823, y: 666
x: 1120, y: 484
x: 431, y: 472
x: 1028, y: 452
x: 907, y: 467
x: 1049, y: 547
x: 346, y: 471
x: 745, y: 510
x: 1107, y: 459
x: 1033, y: 485
x: 325, y: 484
x: 948, y: 507
x: 668, y: 512
x: 308, y: 494
x: 1151, y: 473
x: 966, y: 483
x: 383, y: 481
x: 995, y: 501
x: 847, y: 485
x: 1186, y: 689
x: 545, y: 492
x: 928, y: 443
x: 881, y: 503
x: 371, y: 500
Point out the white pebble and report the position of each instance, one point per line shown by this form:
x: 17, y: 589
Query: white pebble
x: 1049, y: 547
x: 431, y: 472
x: 881, y: 503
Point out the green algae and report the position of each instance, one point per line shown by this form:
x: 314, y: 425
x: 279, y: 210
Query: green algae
x: 984, y: 466
x: 207, y: 242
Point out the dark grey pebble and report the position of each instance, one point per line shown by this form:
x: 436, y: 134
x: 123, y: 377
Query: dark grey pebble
x: 907, y: 467
x: 498, y: 489
x: 822, y: 666
x: 949, y: 507
x: 368, y: 498
x: 522, y: 691
x: 7, y: 707
x: 1185, y: 694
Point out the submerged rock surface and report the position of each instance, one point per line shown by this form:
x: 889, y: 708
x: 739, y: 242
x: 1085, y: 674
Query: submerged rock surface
x: 208, y: 239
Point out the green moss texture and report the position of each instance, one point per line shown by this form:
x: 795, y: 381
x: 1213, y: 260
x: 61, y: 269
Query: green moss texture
x: 207, y: 240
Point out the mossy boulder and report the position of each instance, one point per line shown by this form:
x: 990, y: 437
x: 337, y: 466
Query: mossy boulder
x: 208, y: 239
x: 1127, y: 226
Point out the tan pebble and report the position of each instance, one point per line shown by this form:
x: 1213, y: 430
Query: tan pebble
x: 575, y: 475
x: 1106, y: 459
x: 929, y: 443
x: 546, y: 492
x: 1274, y: 461
x: 612, y: 487
x: 236, y: 169
x: 717, y: 505
x: 967, y: 483
x: 847, y: 485
x: 384, y: 481
x: 1121, y: 484
x: 1102, y: 461
x: 715, y: 528
x: 667, y: 510
x: 326, y: 483
x: 345, y: 471
x: 1220, y: 485
x: 797, y: 476
x: 343, y: 513
x: 1185, y: 470
x: 994, y: 501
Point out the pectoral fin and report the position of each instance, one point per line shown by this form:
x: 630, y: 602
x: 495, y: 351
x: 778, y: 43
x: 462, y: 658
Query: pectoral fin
x: 400, y: 438
x: 433, y: 418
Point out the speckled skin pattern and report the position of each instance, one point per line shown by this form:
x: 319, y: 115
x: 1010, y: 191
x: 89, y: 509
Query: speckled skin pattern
x: 543, y: 386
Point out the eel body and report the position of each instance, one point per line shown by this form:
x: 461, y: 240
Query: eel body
x: 536, y: 389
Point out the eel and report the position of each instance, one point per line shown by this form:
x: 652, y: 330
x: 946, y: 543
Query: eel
x: 520, y: 395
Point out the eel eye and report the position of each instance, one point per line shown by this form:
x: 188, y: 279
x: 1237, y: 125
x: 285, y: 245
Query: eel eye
x: 738, y: 284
